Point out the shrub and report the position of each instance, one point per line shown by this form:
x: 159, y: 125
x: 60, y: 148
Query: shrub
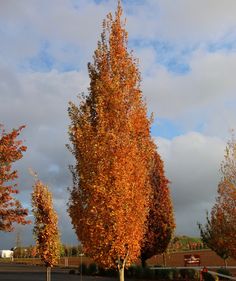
x: 224, y: 271
x: 148, y: 273
x: 107, y: 272
x: 164, y: 274
x: 173, y: 274
x: 207, y: 276
x: 130, y: 272
x: 138, y: 273
x: 92, y: 269
x: 84, y: 269
x: 188, y: 273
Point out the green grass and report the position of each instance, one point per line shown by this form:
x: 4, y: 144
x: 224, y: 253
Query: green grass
x: 184, y: 241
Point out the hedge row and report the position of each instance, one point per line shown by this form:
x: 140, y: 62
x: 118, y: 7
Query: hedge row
x: 137, y: 272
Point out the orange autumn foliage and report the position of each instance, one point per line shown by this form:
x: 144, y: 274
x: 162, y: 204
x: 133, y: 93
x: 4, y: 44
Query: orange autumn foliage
x: 226, y: 201
x: 111, y: 143
x: 46, y: 225
x: 220, y: 231
x: 214, y: 233
x: 160, y: 220
x: 11, y: 209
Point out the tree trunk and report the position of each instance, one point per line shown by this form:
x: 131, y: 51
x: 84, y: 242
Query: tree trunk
x: 122, y: 273
x: 48, y: 273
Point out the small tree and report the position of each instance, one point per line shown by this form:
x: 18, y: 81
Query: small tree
x: 220, y: 230
x: 11, y: 150
x: 110, y: 136
x: 74, y: 251
x: 226, y: 201
x: 33, y: 251
x: 160, y: 220
x: 227, y: 213
x: 214, y: 235
x: 45, y: 228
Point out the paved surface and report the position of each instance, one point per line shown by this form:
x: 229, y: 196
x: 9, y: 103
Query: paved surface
x: 36, y: 276
x: 20, y: 272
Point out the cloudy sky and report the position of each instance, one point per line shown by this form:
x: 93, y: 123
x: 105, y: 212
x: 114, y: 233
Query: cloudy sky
x: 187, y: 53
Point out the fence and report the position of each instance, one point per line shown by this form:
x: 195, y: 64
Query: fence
x: 200, y: 269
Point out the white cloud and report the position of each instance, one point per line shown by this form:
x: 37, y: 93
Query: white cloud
x: 198, y: 96
x: 29, y: 26
x: 68, y: 31
x: 192, y: 163
x: 40, y: 100
x: 197, y: 20
x: 185, y: 21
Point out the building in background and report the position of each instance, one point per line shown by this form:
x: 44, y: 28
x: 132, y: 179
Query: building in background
x: 6, y: 254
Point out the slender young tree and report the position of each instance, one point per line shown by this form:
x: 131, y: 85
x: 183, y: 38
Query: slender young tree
x: 160, y: 221
x: 11, y: 209
x: 214, y: 234
x: 46, y: 226
x: 220, y: 231
x: 110, y: 136
x: 226, y: 201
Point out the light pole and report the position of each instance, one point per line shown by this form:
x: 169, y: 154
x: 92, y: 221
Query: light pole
x: 81, y: 255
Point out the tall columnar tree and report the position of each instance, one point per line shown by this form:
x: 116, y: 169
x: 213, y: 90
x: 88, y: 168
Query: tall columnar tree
x: 160, y: 221
x: 45, y: 227
x: 11, y: 209
x: 110, y: 136
x: 220, y: 231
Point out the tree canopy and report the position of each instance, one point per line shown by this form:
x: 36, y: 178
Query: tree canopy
x: 160, y: 220
x: 111, y: 143
x: 46, y: 225
x: 220, y: 231
x: 11, y: 209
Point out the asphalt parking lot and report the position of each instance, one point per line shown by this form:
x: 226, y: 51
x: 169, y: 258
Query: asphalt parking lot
x: 21, y: 272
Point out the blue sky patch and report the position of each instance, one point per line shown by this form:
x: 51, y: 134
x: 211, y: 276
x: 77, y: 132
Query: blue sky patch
x: 44, y: 61
x: 229, y: 46
x: 167, y: 54
x: 165, y: 128
x: 177, y: 67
